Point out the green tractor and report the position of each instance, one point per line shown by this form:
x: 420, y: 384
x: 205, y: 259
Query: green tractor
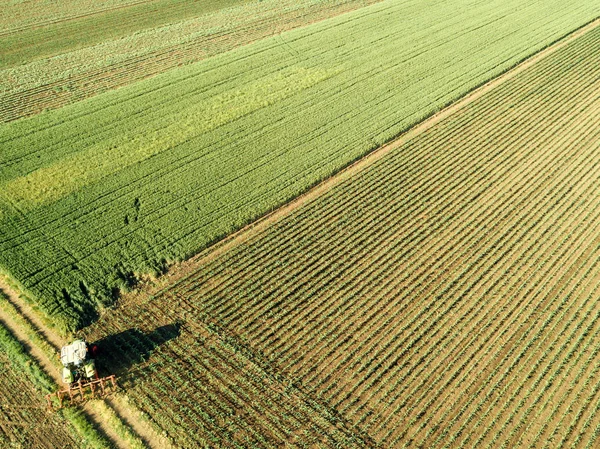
x: 78, y: 362
x: 81, y: 376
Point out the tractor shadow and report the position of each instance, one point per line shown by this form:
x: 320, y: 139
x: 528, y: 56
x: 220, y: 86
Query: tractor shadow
x: 122, y: 354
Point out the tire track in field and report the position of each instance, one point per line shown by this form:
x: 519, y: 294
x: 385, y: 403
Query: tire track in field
x: 128, y: 416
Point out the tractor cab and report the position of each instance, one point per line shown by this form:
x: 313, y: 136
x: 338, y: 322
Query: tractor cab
x: 78, y: 362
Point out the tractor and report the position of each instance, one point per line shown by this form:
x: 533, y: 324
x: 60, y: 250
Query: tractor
x: 80, y: 374
x: 79, y: 363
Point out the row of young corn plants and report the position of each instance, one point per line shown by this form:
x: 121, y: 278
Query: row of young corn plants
x: 197, y: 380
x: 434, y: 335
x: 510, y: 298
x: 461, y: 368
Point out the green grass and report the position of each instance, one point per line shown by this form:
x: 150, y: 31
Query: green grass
x: 199, y: 155
x: 55, y: 38
x: 75, y: 171
x: 442, y: 295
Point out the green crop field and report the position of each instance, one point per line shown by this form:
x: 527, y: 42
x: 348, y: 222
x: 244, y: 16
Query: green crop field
x: 420, y: 179
x: 57, y: 27
x: 444, y: 295
x: 101, y: 192
x: 70, y: 73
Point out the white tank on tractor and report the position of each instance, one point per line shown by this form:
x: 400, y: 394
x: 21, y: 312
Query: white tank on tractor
x: 78, y: 362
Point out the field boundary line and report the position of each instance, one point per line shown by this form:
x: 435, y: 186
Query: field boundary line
x: 93, y: 411
x: 182, y: 270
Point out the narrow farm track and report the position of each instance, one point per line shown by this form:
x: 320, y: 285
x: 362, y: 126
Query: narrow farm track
x: 93, y: 412
x: 24, y: 418
x: 441, y: 292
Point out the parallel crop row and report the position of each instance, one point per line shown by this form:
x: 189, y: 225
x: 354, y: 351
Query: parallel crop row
x: 52, y: 28
x: 80, y: 73
x: 189, y: 376
x: 444, y: 296
x: 98, y: 193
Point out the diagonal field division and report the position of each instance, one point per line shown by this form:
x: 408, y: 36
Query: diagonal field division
x: 98, y: 193
x: 445, y: 296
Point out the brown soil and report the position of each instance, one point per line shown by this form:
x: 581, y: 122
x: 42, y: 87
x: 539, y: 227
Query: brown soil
x: 128, y: 415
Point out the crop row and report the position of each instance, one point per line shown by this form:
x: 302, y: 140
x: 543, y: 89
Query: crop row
x: 443, y: 295
x: 15, y: 17
x: 51, y: 83
x: 100, y: 192
x: 65, y: 26
x: 188, y: 376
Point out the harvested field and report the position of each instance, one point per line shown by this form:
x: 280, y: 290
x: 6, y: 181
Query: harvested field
x: 444, y: 296
x: 99, y: 193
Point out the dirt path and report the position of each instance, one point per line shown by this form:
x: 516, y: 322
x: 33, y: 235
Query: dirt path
x: 117, y: 402
x: 51, y: 369
x: 181, y: 270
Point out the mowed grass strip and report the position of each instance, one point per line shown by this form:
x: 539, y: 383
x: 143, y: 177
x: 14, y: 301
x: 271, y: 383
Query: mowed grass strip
x: 31, y: 43
x: 194, y: 154
x: 73, y: 75
x: 445, y: 295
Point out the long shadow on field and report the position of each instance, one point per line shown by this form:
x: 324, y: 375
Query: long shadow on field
x: 120, y: 353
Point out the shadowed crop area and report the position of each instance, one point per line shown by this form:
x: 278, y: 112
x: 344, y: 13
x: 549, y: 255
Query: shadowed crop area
x: 25, y: 420
x: 444, y: 296
x: 100, y: 192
